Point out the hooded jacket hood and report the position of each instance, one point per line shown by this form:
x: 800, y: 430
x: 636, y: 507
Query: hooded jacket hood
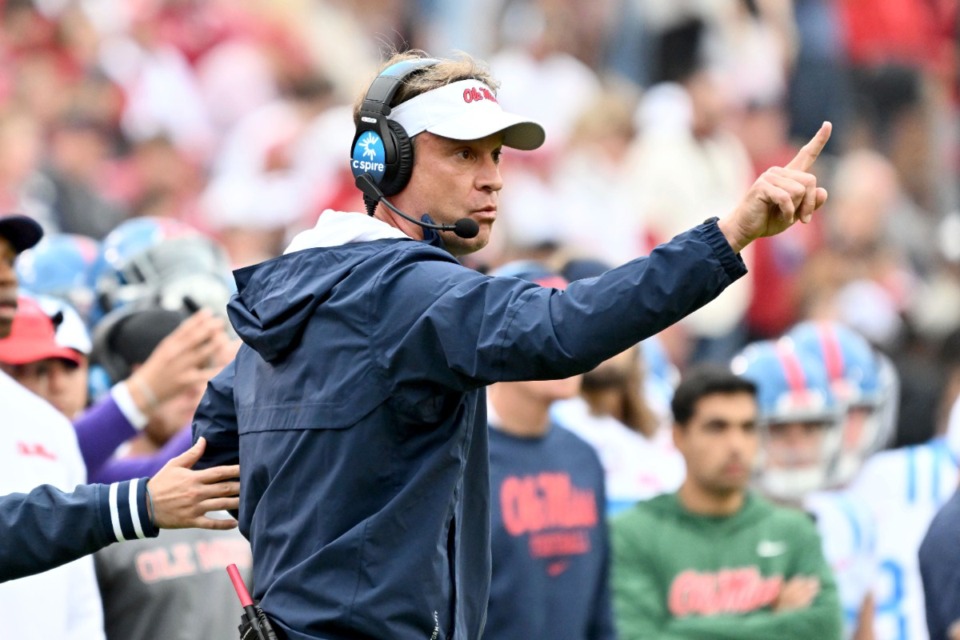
x: 276, y: 298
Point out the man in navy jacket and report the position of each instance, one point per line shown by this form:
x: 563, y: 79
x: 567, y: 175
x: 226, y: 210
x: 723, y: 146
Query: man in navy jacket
x: 357, y: 405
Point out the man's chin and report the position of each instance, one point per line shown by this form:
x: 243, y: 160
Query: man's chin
x: 5, y: 327
x: 458, y: 246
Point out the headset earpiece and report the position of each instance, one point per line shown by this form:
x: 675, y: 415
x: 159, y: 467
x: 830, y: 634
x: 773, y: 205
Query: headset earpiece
x: 403, y: 168
x: 381, y: 148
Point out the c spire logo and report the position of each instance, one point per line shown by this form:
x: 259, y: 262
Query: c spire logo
x: 369, y: 156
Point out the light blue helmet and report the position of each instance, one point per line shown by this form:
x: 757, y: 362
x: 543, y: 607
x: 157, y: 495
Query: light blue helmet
x: 849, y: 360
x: 862, y: 383
x: 59, y: 266
x: 162, y: 262
x: 799, y: 419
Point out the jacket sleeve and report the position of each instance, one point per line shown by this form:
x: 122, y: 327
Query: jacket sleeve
x: 100, y: 430
x: 216, y: 420
x: 466, y: 330
x: 46, y: 528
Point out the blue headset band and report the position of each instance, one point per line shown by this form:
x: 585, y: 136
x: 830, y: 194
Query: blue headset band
x: 386, y: 85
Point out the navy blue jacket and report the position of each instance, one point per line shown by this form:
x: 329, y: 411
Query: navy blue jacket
x: 357, y: 412
x: 46, y: 528
x: 940, y: 570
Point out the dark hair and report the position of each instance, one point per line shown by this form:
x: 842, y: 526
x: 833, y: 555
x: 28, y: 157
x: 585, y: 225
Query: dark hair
x: 705, y: 381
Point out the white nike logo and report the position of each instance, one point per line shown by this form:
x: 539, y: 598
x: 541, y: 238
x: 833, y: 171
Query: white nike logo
x: 771, y: 549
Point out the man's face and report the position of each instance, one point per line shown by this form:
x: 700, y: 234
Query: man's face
x: 455, y: 179
x: 795, y: 445
x: 60, y: 382
x: 720, y: 442
x: 8, y: 287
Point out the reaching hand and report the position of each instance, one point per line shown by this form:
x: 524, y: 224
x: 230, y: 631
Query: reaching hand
x: 181, y: 497
x: 779, y: 197
x: 191, y: 355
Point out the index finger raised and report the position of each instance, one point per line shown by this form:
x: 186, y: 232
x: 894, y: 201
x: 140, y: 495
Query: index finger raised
x: 811, y: 151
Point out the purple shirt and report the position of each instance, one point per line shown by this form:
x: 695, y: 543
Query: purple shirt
x: 102, y: 428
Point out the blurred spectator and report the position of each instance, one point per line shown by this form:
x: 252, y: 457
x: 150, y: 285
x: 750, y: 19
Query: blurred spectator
x: 38, y: 446
x: 163, y: 97
x: 903, y: 489
x: 802, y: 435
x: 173, y: 584
x: 549, y: 542
x: 78, y: 151
x: 123, y: 342
x: 687, y: 166
x: 20, y: 152
x: 266, y: 179
x: 538, y: 74
x: 713, y: 559
x: 819, y: 83
x: 860, y: 276
x: 592, y: 199
x: 611, y: 414
x: 36, y: 354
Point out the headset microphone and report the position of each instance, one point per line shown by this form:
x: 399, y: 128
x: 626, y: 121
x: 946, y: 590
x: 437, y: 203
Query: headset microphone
x: 464, y: 227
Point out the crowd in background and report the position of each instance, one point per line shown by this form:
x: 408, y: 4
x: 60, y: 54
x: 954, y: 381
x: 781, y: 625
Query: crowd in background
x: 233, y: 117
x: 228, y: 122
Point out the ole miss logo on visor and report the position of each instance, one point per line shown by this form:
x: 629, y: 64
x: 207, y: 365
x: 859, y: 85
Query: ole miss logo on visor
x: 477, y: 94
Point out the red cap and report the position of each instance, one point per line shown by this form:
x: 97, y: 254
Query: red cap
x: 33, y: 337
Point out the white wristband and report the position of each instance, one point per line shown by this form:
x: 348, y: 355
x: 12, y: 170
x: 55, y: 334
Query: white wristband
x: 121, y: 395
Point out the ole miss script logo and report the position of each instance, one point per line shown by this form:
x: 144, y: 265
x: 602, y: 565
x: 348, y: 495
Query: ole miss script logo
x: 728, y: 591
x: 476, y: 94
x: 556, y: 515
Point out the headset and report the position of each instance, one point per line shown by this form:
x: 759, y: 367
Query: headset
x: 107, y: 367
x: 381, y: 148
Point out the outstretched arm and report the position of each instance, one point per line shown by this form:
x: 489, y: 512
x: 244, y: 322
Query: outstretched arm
x: 47, y: 527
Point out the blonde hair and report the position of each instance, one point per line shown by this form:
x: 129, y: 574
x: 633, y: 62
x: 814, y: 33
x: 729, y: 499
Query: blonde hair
x: 449, y: 70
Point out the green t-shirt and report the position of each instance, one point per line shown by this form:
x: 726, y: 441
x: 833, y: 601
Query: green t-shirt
x: 678, y: 575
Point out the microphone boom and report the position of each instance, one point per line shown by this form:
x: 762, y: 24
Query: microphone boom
x: 464, y: 227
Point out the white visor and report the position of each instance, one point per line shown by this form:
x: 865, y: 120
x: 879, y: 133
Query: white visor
x: 466, y: 110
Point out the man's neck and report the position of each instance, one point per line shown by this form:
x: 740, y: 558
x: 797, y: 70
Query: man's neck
x: 518, y: 414
x: 700, y: 501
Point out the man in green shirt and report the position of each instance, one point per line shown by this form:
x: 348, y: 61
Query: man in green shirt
x: 714, y: 561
